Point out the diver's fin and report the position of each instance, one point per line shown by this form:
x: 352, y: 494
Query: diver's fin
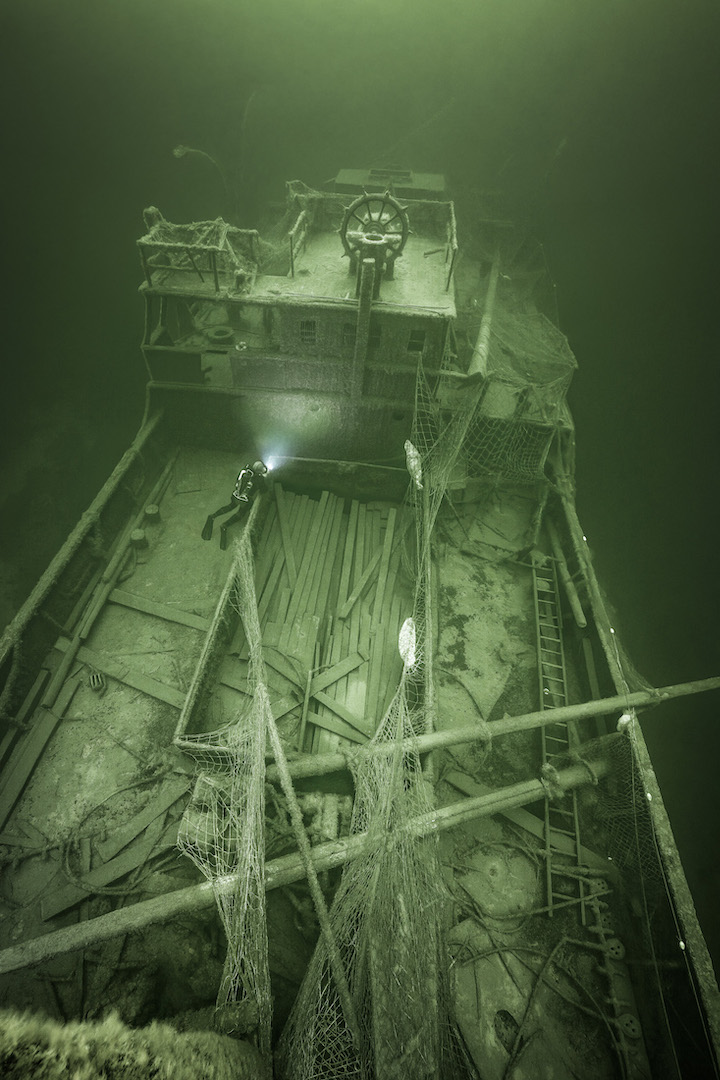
x: 208, y: 528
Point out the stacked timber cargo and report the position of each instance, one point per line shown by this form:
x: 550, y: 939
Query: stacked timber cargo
x: 331, y: 599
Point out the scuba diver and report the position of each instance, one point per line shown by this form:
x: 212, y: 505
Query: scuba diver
x: 250, y: 481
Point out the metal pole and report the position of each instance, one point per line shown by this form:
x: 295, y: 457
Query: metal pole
x: 320, y: 764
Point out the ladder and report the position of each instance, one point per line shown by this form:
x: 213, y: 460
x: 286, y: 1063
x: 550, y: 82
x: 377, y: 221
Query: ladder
x: 565, y: 884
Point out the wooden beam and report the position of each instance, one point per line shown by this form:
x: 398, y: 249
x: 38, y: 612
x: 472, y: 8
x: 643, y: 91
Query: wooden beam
x: 384, y: 563
x: 136, y: 855
x: 345, y: 714
x: 336, y: 727
x: 308, y: 561
x: 285, y: 534
x: 18, y: 722
x: 343, y: 667
x: 348, y: 553
x: 357, y: 592
x: 28, y: 751
x: 123, y: 673
x: 163, y: 611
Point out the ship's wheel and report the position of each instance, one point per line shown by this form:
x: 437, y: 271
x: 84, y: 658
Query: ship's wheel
x: 374, y: 225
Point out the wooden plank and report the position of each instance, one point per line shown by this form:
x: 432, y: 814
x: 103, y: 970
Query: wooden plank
x: 300, y: 518
x: 332, y: 552
x: 343, y: 712
x: 384, y: 564
x: 372, y: 703
x: 117, y: 560
x: 286, y: 535
x: 361, y: 585
x: 280, y: 663
x: 313, y: 581
x: 300, y: 742
x: 348, y: 554
x: 322, y: 740
x: 283, y: 604
x: 163, y: 611
x: 121, y: 672
x: 82, y: 601
x: 336, y: 726
x: 28, y: 751
x: 359, y: 567
x: 327, y: 678
x: 357, y: 687
x: 526, y: 820
x: 19, y: 721
x: 342, y: 684
x: 307, y: 564
x: 365, y: 576
x: 162, y: 801
x: 270, y: 587
x: 237, y: 680
x: 352, y: 625
x: 154, y: 841
x: 303, y: 638
x: 391, y: 669
x: 33, y: 696
x: 266, y: 554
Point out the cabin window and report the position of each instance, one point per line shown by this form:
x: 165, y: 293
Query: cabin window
x: 308, y: 332
x: 348, y: 336
x: 416, y: 341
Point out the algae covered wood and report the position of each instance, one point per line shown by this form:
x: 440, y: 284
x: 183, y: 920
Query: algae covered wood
x: 28, y: 751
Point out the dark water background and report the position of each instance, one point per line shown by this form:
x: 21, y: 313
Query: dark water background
x: 601, y: 119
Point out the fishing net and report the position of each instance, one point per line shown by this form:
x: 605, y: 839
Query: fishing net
x: 222, y: 830
x: 387, y: 922
x: 388, y: 913
x: 522, y: 401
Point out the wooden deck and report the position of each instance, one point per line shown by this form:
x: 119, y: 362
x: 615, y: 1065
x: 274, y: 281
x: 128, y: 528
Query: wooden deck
x: 331, y: 600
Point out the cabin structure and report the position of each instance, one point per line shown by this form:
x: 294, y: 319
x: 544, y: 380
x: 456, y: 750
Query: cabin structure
x: 326, y: 326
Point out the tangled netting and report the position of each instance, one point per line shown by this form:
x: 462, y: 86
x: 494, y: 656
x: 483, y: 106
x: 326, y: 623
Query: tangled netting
x: 387, y: 923
x: 223, y: 829
x: 528, y: 368
x: 388, y: 914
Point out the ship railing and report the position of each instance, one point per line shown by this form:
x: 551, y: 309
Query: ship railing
x: 297, y: 237
x: 208, y: 250
x: 452, y: 247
